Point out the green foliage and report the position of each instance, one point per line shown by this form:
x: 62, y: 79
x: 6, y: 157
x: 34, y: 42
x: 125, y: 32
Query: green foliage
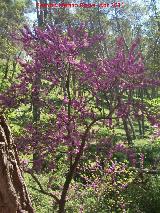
x: 145, y: 194
x: 151, y: 153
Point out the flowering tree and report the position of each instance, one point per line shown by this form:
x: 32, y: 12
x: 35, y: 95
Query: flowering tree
x: 71, y: 95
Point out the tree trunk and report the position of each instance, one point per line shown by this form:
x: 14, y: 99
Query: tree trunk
x: 13, y: 193
x: 139, y: 127
x: 132, y: 128
x: 127, y: 131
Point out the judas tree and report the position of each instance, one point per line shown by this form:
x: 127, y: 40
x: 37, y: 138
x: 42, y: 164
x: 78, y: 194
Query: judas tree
x: 72, y: 94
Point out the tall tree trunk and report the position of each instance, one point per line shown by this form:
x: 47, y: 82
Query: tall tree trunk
x: 143, y: 127
x: 36, y: 114
x: 139, y: 127
x: 127, y: 131
x: 14, y: 197
x: 132, y: 128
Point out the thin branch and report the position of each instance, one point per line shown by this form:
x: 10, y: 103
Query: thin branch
x: 42, y: 190
x: 149, y: 171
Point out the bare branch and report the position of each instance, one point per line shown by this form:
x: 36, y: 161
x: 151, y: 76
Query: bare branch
x: 42, y: 190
